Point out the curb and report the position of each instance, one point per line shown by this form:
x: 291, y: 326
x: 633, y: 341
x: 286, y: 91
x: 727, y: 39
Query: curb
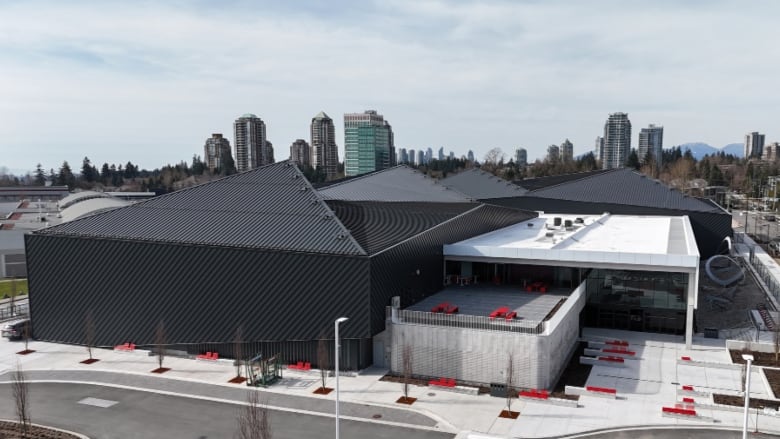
x: 78, y: 435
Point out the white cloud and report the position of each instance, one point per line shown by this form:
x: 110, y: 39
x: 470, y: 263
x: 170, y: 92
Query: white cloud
x: 149, y: 82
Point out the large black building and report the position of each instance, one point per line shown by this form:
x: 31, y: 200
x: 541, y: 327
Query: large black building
x: 262, y: 250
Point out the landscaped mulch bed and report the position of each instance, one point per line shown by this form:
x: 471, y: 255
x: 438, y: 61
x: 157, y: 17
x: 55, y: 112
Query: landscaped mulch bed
x: 322, y: 390
x: 237, y: 380
x: 509, y: 414
x: 740, y: 401
x: 405, y: 400
x: 89, y: 361
x: 161, y: 370
x: 400, y: 379
x: 11, y: 430
x: 759, y: 358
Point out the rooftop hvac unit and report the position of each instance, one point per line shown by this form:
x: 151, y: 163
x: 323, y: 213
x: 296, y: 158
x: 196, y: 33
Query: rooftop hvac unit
x: 567, y: 224
x: 579, y: 221
x: 557, y: 221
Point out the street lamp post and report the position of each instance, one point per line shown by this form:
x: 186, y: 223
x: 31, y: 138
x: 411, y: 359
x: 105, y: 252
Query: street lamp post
x: 749, y: 359
x: 338, y: 320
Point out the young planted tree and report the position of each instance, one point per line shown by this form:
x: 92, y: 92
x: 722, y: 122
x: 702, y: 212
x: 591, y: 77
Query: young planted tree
x: 26, y: 335
x: 253, y: 418
x: 323, y: 364
x: 160, y: 340
x: 510, y: 391
x: 238, y: 352
x: 21, y: 399
x: 407, y: 370
x: 89, y: 334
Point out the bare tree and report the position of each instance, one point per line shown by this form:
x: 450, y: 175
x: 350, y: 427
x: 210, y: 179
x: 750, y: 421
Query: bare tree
x: 510, y: 373
x: 26, y: 334
x: 89, y: 332
x: 238, y: 350
x: 22, y: 401
x: 406, y: 360
x: 322, y: 359
x: 160, y: 341
x: 253, y: 418
x: 13, y: 296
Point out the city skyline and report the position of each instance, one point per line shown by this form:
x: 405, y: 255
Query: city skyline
x: 466, y: 76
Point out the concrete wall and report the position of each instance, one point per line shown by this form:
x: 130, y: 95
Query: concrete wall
x: 481, y: 357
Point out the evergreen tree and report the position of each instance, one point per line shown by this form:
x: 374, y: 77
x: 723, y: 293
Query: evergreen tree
x: 105, y: 174
x: 65, y: 177
x: 88, y: 173
x: 633, y: 160
x: 40, y: 175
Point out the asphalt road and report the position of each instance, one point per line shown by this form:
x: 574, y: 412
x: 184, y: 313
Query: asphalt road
x: 675, y: 433
x: 138, y: 414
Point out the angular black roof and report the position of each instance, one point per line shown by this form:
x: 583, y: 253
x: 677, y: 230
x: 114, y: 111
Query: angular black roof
x: 623, y: 186
x: 533, y: 184
x: 480, y: 185
x: 379, y: 225
x: 397, y: 184
x: 271, y: 207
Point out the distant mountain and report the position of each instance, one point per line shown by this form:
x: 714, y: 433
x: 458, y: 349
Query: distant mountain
x: 735, y: 149
x: 700, y: 149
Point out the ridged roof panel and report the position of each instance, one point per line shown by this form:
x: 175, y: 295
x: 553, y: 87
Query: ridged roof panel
x: 379, y: 225
x: 272, y: 207
x: 397, y: 184
x: 479, y: 184
x: 623, y: 186
x: 533, y: 184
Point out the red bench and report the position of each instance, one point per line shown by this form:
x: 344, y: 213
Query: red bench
x: 623, y: 351
x: 300, y: 366
x: 440, y: 307
x: 685, y: 358
x: 689, y: 400
x: 601, y: 390
x: 679, y: 411
x: 689, y: 388
x: 212, y: 356
x: 617, y: 342
x: 534, y: 393
x: 612, y: 359
x: 500, y: 312
x: 443, y: 382
x: 125, y: 347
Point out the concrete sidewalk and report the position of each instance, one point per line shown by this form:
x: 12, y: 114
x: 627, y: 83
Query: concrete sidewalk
x: 646, y: 385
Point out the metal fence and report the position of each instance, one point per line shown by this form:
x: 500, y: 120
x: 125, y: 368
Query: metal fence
x: 14, y: 312
x: 481, y: 323
x: 763, y: 272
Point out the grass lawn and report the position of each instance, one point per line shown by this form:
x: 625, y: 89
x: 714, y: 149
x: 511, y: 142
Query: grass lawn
x: 6, y: 287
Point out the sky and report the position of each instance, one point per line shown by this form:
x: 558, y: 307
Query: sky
x: 148, y: 82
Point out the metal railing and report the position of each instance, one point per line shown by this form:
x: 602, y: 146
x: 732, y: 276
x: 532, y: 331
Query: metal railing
x: 481, y: 323
x: 764, y: 273
x: 14, y: 312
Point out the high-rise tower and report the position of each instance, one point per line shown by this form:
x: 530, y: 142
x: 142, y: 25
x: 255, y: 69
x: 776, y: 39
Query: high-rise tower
x: 216, y: 152
x: 324, y: 152
x: 754, y: 145
x: 567, y: 151
x: 651, y: 141
x: 252, y: 147
x: 368, y: 143
x: 300, y: 153
x: 617, y: 141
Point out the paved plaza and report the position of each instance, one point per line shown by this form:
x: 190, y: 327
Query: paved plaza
x: 644, y: 386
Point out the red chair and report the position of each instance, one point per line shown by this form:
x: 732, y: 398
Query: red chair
x: 511, y: 315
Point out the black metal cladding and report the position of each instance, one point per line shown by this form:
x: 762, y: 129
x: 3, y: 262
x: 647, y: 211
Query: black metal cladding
x: 394, y: 272
x: 378, y: 225
x: 709, y: 228
x: 201, y: 293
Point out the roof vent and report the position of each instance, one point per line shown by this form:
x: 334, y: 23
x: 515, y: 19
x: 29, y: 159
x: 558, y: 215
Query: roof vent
x: 530, y: 224
x: 302, y: 189
x: 579, y: 221
x: 549, y: 234
x: 315, y: 201
x: 296, y: 176
x: 327, y: 216
x: 341, y: 236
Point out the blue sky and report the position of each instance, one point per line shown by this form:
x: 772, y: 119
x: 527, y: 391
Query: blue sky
x: 150, y: 81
